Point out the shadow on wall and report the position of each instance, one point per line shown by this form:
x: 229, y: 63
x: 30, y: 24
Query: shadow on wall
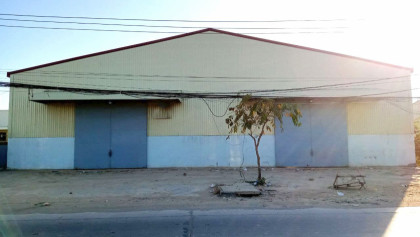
x: 3, y: 149
x: 417, y: 140
x: 3, y: 156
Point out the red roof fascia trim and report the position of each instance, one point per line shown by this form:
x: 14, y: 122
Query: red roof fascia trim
x: 198, y: 32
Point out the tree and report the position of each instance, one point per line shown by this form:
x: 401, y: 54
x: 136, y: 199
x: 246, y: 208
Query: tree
x: 256, y: 116
x: 417, y: 140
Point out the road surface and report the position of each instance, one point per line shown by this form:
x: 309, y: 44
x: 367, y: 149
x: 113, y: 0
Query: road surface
x: 235, y: 222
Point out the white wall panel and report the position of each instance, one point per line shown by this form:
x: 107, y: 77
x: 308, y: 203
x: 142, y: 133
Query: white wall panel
x: 381, y: 150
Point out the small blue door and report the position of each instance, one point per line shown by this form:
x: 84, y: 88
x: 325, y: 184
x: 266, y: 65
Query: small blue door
x: 321, y: 140
x: 293, y: 145
x: 129, y: 136
x: 329, y: 135
x: 92, y: 136
x: 110, y: 135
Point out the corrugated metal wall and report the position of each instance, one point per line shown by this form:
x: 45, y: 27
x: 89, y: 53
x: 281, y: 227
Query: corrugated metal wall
x: 31, y: 119
x: 213, y: 62
x: 379, y: 117
x: 191, y: 117
x: 4, y: 117
x: 225, y: 64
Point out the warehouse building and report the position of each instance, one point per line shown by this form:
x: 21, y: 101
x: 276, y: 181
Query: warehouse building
x: 356, y: 112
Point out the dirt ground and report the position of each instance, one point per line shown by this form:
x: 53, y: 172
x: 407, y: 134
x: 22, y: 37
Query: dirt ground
x: 64, y: 191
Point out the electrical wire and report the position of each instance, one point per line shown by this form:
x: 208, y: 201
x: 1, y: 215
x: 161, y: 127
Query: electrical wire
x: 170, y: 26
x: 87, y: 29
x: 161, y: 32
x: 390, y: 92
x: 320, y: 86
x: 164, y: 94
x: 402, y: 108
x: 261, y: 92
x: 244, y: 77
x: 205, y: 95
x: 186, y: 80
x: 173, y: 20
x: 215, y: 115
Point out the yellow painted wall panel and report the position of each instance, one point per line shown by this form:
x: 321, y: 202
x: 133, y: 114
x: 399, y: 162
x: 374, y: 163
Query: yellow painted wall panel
x: 380, y: 117
x: 32, y: 119
x: 191, y: 117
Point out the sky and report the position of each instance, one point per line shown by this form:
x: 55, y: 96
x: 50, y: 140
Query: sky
x: 386, y: 31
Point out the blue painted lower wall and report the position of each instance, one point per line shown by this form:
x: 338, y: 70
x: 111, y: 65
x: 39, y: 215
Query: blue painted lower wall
x: 205, y: 151
x: 208, y: 151
x: 40, y: 153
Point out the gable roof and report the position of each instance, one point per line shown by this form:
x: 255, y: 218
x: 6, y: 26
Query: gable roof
x: 198, y: 32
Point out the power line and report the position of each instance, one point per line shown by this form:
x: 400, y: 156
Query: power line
x: 390, y: 92
x: 328, y: 86
x: 320, y: 86
x: 189, y: 80
x: 183, y: 76
x: 168, y: 26
x: 137, y: 76
x: 166, y: 93
x: 161, y: 32
x: 215, y: 115
x: 402, y: 108
x: 82, y: 29
x: 173, y: 20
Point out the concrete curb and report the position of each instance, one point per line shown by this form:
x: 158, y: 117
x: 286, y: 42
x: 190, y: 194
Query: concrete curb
x: 216, y: 212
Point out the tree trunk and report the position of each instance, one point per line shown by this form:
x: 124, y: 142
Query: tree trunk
x: 258, y: 161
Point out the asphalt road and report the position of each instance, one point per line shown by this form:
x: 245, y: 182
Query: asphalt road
x: 262, y: 222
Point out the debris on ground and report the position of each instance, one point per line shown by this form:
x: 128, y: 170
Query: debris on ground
x: 42, y: 204
x: 240, y: 189
x: 215, y: 188
x: 340, y: 193
x: 349, y: 181
x: 167, y: 188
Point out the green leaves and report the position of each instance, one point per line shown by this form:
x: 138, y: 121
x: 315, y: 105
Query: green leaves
x: 253, y: 114
x: 260, y: 113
